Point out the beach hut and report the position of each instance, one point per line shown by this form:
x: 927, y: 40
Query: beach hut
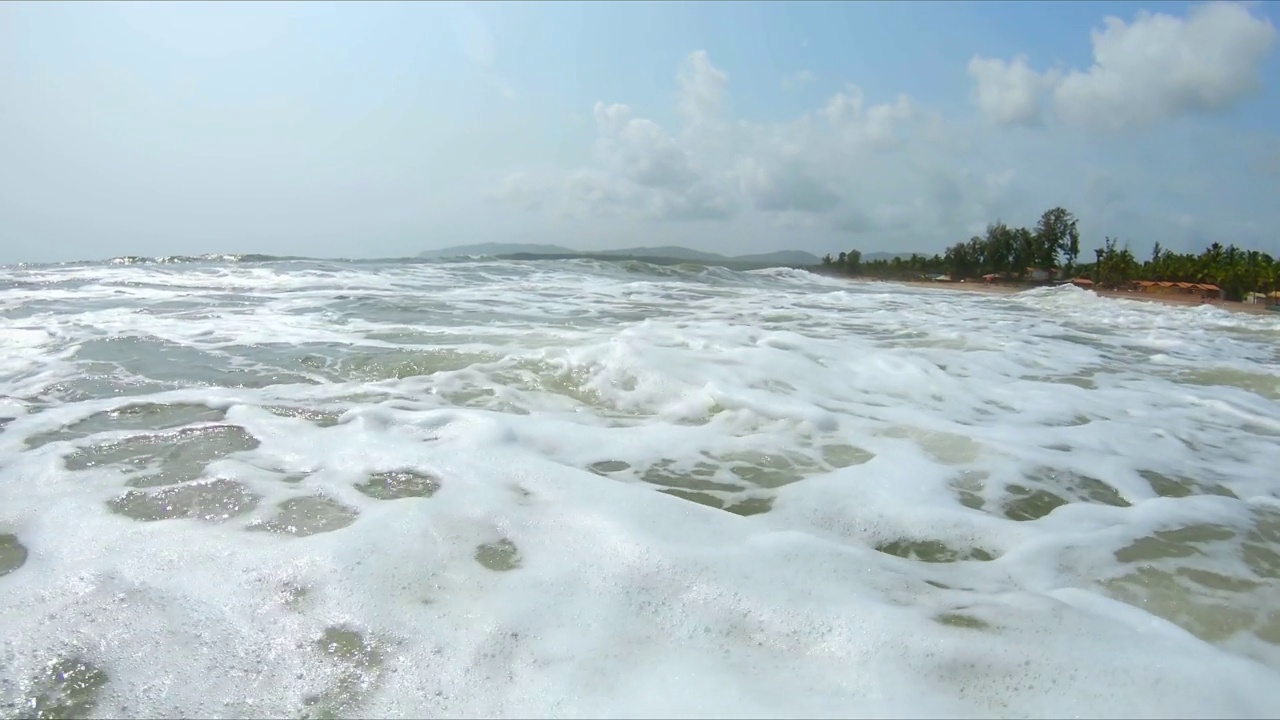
x: 1082, y: 282
x: 1208, y: 291
x: 1165, y: 287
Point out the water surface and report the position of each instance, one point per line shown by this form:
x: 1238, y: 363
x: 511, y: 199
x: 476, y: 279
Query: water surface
x: 263, y: 487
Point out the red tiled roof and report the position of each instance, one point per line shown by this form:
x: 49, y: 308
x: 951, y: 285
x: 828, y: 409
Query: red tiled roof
x: 1171, y: 284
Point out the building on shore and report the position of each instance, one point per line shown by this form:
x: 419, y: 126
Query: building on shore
x: 1168, y: 287
x: 1029, y: 275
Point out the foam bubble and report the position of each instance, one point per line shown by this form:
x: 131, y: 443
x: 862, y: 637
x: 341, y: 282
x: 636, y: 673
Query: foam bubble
x: 326, y: 489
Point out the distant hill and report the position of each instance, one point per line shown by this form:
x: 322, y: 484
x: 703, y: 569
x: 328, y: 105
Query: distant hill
x: 665, y: 251
x: 672, y: 252
x: 783, y: 257
x: 493, y: 249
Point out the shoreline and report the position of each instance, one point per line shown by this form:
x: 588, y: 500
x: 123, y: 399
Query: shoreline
x: 1228, y: 305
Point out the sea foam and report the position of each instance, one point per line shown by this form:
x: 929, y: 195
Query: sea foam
x: 290, y: 488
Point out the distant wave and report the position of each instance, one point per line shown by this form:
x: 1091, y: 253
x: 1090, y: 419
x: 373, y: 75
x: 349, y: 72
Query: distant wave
x: 166, y: 260
x: 642, y: 267
x: 212, y: 257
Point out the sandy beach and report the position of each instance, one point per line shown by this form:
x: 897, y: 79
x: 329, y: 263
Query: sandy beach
x: 1122, y: 294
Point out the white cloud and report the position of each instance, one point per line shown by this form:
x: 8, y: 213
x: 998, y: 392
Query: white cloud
x: 702, y: 88
x: 861, y: 127
x: 636, y: 149
x: 1008, y: 93
x: 640, y: 173
x: 1154, y: 68
x: 886, y: 173
x: 1162, y: 66
x: 839, y: 169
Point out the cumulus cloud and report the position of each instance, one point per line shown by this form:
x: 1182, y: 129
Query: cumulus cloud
x: 1162, y: 66
x: 887, y: 173
x: 1154, y: 68
x: 852, y: 166
x: 702, y: 88
x: 712, y: 168
x: 640, y: 173
x: 875, y: 126
x: 639, y: 150
x: 1008, y: 93
x: 640, y: 170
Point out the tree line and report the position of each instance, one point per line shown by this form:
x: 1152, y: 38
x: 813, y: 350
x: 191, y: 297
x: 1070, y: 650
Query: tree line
x: 1054, y: 245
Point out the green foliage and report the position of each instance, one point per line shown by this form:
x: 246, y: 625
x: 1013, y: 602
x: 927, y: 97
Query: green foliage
x: 1054, y: 244
x: 1114, y: 266
x: 1056, y: 233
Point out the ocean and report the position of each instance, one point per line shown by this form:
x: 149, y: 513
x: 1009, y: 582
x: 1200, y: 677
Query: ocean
x: 261, y: 487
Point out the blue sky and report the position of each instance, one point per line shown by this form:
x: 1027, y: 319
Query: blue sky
x: 381, y: 129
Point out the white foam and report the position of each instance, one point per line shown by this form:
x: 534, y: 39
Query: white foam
x: 547, y: 576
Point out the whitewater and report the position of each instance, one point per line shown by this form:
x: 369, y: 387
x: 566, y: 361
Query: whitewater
x: 261, y: 487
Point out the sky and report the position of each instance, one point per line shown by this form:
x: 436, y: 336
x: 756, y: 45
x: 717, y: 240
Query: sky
x: 383, y: 129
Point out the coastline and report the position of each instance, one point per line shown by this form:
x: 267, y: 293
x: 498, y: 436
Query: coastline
x: 1119, y: 294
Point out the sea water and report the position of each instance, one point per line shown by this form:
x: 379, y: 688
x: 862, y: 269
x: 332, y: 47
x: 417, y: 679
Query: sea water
x: 256, y: 487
